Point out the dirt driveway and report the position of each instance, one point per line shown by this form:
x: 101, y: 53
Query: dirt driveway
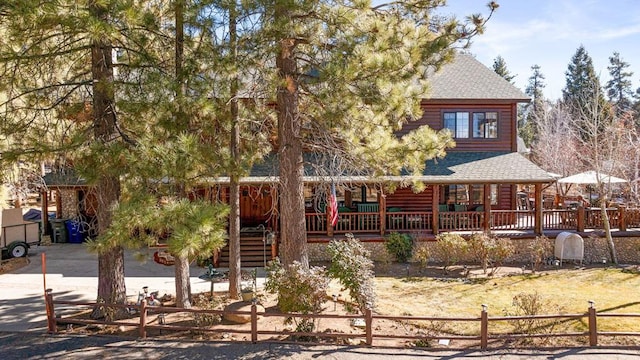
x: 72, y: 274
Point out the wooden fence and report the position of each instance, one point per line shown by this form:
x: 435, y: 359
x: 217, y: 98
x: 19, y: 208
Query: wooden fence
x: 368, y: 334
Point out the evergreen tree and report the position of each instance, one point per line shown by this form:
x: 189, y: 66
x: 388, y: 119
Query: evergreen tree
x: 58, y: 78
x: 618, y: 87
x: 500, y: 67
x: 583, y: 87
x: 348, y: 75
x: 528, y: 129
x: 196, y: 128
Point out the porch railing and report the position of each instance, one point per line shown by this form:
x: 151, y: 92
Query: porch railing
x: 408, y: 221
x: 521, y: 220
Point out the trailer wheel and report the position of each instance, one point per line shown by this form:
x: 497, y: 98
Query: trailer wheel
x: 18, y: 249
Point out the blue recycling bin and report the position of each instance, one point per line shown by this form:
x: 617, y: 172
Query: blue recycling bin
x: 74, y: 232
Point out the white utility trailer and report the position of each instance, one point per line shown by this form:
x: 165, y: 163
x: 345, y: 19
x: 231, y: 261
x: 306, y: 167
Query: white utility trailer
x: 17, y: 234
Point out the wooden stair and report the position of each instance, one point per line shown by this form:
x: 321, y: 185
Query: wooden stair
x: 252, y: 253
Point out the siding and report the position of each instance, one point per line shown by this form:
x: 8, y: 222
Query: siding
x: 407, y: 200
x: 432, y: 116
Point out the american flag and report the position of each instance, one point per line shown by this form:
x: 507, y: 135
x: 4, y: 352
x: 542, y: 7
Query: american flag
x: 333, y: 206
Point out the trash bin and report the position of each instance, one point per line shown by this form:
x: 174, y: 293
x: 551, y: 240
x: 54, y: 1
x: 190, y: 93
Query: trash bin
x: 58, y: 230
x: 74, y: 231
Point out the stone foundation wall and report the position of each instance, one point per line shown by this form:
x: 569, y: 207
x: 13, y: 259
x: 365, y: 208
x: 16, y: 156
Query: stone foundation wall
x: 595, y: 250
x: 69, y: 203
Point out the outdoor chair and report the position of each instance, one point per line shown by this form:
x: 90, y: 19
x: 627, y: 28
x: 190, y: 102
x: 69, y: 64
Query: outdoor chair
x: 368, y: 221
x: 445, y: 220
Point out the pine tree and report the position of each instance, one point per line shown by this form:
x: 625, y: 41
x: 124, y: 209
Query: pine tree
x: 528, y: 129
x: 348, y: 75
x: 58, y: 82
x: 582, y: 87
x: 196, y: 128
x: 500, y: 67
x: 618, y: 87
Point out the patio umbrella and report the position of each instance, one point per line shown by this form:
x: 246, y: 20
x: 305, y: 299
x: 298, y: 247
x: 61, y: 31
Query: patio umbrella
x: 591, y: 177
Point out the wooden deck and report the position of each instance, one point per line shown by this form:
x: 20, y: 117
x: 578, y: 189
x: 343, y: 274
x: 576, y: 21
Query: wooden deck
x: 511, y: 223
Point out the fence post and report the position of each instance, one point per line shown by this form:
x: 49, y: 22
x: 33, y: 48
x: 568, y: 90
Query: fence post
x: 484, y: 328
x: 143, y: 318
x: 593, y: 326
x: 254, y: 322
x: 51, y: 314
x: 368, y: 322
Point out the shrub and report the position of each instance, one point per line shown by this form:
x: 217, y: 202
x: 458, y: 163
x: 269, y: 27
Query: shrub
x: 490, y: 250
x: 480, y: 248
x: 299, y: 289
x: 539, y: 250
x: 206, y: 319
x: 352, y: 266
x: 450, y: 248
x: 532, y: 304
x: 400, y: 246
x: 500, y: 251
x: 422, y: 255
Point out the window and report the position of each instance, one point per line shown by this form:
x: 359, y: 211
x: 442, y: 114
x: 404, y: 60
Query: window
x: 458, y: 123
x: 485, y: 125
x: 454, y: 194
x: 466, y: 194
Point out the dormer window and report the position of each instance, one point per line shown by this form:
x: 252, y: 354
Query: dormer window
x: 479, y: 125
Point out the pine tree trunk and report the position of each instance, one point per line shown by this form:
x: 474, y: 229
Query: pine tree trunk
x: 234, y: 187
x: 111, y: 285
x: 183, y: 284
x: 234, y: 239
x: 293, y: 229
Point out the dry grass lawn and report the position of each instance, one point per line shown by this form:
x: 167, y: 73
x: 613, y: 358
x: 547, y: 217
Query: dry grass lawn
x: 566, y: 290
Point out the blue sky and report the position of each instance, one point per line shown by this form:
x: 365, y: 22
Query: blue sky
x: 548, y: 32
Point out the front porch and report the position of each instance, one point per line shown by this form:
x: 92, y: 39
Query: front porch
x: 424, y: 223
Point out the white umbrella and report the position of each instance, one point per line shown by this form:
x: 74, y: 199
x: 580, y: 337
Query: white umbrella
x: 591, y: 177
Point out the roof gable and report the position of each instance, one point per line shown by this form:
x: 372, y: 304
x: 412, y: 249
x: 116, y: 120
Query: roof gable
x: 467, y: 78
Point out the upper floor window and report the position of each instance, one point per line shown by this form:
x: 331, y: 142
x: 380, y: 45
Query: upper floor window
x: 458, y: 123
x: 484, y: 125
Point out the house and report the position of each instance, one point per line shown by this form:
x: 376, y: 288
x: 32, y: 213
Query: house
x: 472, y: 189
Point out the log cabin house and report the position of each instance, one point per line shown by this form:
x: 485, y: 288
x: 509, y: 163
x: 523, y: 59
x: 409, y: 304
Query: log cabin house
x: 472, y: 189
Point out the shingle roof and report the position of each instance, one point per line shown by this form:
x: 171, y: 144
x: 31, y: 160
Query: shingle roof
x: 484, y: 167
x: 66, y: 177
x: 468, y: 78
x: 455, y: 168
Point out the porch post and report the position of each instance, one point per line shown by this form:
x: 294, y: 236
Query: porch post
x: 44, y: 197
x: 486, y: 204
x: 328, y: 217
x: 623, y: 218
x: 382, y: 208
x: 538, y: 216
x: 435, y: 215
x: 580, y: 216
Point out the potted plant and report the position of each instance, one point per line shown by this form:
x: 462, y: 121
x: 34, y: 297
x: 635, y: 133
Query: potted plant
x: 247, y: 293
